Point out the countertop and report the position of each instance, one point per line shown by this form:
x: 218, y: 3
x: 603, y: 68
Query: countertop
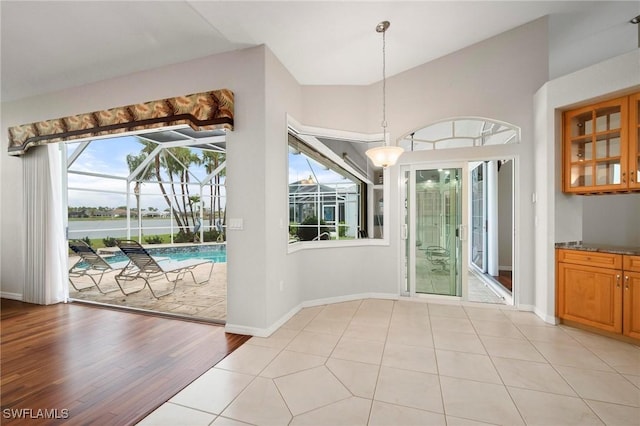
x: 602, y: 248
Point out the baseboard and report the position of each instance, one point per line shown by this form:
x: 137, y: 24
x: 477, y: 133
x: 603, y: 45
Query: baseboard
x: 348, y: 298
x: 551, y: 319
x: 12, y: 296
x: 266, y: 332
x: 505, y: 268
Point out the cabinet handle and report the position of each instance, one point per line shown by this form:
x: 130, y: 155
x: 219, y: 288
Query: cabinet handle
x: 618, y: 280
x: 632, y: 176
x: 624, y: 178
x: 626, y: 282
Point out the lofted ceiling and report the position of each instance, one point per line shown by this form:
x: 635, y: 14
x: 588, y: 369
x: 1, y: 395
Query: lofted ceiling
x: 52, y: 45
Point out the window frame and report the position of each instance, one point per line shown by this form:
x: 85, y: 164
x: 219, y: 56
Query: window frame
x: 309, y: 135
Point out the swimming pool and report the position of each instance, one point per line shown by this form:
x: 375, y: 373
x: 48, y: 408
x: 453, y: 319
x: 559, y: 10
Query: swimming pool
x: 215, y: 252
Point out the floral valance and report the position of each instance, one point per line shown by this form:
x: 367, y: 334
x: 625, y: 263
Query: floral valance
x: 201, y: 111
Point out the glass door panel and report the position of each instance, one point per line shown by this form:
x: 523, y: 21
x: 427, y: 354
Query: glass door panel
x: 437, y: 208
x: 478, y: 218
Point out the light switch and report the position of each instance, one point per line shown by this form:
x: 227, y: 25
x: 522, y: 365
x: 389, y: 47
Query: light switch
x: 236, y: 224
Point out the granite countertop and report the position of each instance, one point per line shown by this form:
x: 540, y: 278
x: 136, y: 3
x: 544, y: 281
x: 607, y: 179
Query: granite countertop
x: 603, y: 248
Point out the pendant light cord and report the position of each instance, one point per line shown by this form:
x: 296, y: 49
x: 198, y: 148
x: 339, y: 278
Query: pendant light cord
x: 384, y: 88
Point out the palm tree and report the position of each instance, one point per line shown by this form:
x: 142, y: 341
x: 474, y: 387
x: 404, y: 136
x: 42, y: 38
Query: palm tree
x: 134, y: 161
x: 176, y: 163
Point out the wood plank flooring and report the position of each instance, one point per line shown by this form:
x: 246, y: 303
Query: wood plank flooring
x: 505, y: 279
x: 103, y: 366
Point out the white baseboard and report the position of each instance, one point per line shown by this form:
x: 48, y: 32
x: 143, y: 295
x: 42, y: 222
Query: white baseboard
x: 266, y: 332
x: 12, y: 296
x: 505, y: 268
x: 551, y: 319
x: 348, y: 298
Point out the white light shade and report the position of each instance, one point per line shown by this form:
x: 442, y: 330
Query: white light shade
x: 384, y: 156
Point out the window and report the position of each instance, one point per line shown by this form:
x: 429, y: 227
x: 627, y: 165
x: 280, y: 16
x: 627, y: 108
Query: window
x: 325, y: 200
x: 461, y: 133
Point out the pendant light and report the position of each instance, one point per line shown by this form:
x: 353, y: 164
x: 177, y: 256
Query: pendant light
x: 385, y: 155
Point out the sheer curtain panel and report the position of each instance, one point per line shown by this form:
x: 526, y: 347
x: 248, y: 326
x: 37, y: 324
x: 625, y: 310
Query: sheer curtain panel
x: 45, y: 251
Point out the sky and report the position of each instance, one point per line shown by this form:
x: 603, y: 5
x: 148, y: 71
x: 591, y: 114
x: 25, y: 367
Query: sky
x: 108, y: 157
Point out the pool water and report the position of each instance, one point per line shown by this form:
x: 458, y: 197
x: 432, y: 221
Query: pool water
x: 216, y: 253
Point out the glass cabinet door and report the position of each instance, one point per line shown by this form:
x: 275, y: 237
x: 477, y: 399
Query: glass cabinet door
x: 593, y: 137
x: 634, y: 141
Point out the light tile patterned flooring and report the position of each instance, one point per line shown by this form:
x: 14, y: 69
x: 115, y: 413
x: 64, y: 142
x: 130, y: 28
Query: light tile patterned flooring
x: 383, y: 362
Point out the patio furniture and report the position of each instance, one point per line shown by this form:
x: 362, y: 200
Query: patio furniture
x: 148, y: 268
x: 438, y: 256
x: 95, y: 266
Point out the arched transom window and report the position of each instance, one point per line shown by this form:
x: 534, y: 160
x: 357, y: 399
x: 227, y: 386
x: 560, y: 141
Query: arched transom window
x: 461, y: 133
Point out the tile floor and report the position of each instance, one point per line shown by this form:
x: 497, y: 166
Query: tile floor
x: 384, y: 362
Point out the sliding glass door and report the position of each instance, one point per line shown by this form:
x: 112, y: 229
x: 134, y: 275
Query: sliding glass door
x: 479, y: 216
x: 433, y: 230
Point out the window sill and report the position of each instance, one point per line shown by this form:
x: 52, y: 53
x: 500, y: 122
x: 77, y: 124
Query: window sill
x: 363, y: 242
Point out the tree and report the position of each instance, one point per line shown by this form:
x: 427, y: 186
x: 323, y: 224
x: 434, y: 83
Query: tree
x: 174, y: 163
x: 134, y: 161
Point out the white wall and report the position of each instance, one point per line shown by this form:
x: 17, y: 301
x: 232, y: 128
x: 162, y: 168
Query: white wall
x: 577, y: 40
x: 283, y: 95
x: 559, y: 217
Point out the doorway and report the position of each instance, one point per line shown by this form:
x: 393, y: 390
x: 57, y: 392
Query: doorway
x: 458, y: 230
x: 491, y: 243
x: 433, y: 230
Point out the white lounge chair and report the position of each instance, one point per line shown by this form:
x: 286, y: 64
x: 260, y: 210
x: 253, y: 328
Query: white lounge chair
x: 95, y: 266
x: 147, y: 268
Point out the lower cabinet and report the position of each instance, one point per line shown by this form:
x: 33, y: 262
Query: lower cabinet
x: 600, y: 290
x: 631, y: 297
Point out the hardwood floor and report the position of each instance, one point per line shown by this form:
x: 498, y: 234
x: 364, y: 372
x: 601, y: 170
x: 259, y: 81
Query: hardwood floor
x: 98, y: 366
x: 504, y: 278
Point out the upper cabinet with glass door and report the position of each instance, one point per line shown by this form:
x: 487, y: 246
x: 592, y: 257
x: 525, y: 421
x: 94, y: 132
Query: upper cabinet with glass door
x: 599, y: 151
x: 634, y: 142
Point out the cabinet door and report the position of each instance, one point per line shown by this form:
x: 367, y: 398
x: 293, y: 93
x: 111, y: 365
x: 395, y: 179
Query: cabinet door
x: 590, y: 296
x: 634, y: 141
x: 595, y: 147
x: 631, y: 311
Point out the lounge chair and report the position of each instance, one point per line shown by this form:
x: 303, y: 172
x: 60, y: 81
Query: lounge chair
x: 438, y: 256
x: 95, y: 266
x: 148, y: 268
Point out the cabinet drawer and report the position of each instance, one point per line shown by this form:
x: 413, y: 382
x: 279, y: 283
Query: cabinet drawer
x: 631, y: 263
x: 591, y: 258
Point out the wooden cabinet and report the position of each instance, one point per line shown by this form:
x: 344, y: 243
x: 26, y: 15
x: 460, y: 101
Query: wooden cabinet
x: 600, y: 147
x: 590, y: 295
x: 600, y: 290
x: 631, y: 297
x: 634, y: 141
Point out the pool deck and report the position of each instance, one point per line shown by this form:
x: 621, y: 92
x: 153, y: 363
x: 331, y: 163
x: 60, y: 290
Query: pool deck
x: 207, y: 302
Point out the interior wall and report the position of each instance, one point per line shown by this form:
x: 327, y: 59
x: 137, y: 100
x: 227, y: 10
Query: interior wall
x: 577, y: 40
x: 611, y: 220
x: 505, y: 216
x: 283, y: 95
x: 559, y: 217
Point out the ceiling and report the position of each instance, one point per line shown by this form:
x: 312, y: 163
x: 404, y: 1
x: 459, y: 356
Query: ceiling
x: 52, y: 45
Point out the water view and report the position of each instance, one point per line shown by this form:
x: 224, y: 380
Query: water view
x: 117, y: 228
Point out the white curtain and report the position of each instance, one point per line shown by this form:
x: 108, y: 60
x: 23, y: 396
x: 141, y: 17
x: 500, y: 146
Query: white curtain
x: 45, y: 251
